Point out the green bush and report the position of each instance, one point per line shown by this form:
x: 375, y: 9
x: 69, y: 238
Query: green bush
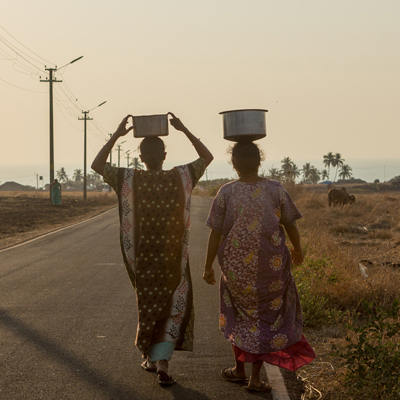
x: 309, y: 277
x: 372, y: 353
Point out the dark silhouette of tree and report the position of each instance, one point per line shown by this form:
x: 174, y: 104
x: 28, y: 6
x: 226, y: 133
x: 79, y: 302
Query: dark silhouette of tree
x: 94, y: 178
x: 274, y: 173
x: 315, y: 175
x: 306, y: 171
x: 337, y: 162
x: 345, y: 172
x: 62, y: 175
x: 324, y: 174
x: 289, y: 169
x: 328, y: 161
x: 78, y: 176
x: 295, y: 171
x: 135, y: 163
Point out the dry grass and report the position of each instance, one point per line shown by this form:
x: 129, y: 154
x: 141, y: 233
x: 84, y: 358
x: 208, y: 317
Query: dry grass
x: 367, y: 233
x: 24, y: 215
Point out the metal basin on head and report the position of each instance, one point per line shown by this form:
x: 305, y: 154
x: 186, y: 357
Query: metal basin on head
x: 244, y: 125
x: 150, y: 125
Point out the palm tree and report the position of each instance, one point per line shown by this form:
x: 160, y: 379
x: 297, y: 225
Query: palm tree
x: 328, y: 161
x: 337, y: 162
x: 324, y: 174
x: 78, y: 176
x: 94, y: 177
x: 345, y: 172
x: 306, y: 170
x: 315, y: 175
x: 295, y: 171
x: 286, y: 165
x: 289, y: 169
x: 135, y: 163
x: 62, y: 175
x: 274, y: 173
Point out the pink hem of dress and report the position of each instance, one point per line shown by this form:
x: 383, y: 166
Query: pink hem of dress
x: 291, y: 358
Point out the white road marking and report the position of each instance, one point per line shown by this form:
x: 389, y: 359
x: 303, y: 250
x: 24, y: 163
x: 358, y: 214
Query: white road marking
x: 55, y: 231
x: 279, y: 391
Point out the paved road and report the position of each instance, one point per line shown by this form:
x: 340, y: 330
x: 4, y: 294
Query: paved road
x: 67, y: 322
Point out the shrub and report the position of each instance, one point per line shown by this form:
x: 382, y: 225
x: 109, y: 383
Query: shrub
x: 317, y: 309
x: 372, y: 354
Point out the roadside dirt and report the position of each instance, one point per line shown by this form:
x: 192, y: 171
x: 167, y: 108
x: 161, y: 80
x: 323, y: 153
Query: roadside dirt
x: 25, y: 215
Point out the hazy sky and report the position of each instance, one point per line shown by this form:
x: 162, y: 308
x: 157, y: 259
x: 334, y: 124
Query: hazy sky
x: 328, y: 72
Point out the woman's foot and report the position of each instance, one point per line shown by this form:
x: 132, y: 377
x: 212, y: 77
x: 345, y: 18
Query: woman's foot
x: 149, y: 366
x: 230, y: 375
x: 263, y: 387
x: 164, y: 378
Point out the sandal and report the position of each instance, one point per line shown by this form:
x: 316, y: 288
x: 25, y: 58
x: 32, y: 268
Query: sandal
x: 265, y: 387
x: 164, y: 378
x: 149, y: 366
x: 227, y: 374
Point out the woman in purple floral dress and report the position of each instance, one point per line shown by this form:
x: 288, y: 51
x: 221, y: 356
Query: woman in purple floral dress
x: 260, y: 311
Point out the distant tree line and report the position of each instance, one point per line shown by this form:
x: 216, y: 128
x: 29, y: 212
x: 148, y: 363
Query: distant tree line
x: 289, y: 171
x: 92, y: 178
x: 77, y: 178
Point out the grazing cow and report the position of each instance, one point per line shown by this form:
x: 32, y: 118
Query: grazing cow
x: 340, y: 196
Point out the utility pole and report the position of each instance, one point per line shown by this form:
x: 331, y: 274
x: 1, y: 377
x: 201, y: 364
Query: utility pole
x: 127, y: 156
x: 119, y: 151
x: 110, y: 134
x: 50, y: 80
x: 86, y: 118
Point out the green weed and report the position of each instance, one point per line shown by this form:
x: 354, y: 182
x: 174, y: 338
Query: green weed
x: 372, y: 353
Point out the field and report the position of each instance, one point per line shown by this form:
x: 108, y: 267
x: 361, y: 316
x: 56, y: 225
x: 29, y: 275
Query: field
x: 352, y: 254
x: 24, y: 215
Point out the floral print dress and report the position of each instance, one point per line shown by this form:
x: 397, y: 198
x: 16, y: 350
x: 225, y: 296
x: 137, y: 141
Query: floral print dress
x: 154, y: 212
x: 260, y: 310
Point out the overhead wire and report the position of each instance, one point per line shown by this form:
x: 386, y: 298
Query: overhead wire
x: 62, y: 93
x: 19, y: 87
x: 16, y: 52
x: 37, y: 55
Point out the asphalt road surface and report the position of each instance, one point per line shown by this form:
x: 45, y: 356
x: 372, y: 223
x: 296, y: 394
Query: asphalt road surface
x: 68, y: 323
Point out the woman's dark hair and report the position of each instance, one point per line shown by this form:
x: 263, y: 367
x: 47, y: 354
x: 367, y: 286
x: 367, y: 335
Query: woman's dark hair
x: 246, y: 157
x: 152, y: 150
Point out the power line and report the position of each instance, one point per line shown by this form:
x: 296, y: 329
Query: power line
x: 5, y: 30
x: 19, y: 87
x: 16, y: 52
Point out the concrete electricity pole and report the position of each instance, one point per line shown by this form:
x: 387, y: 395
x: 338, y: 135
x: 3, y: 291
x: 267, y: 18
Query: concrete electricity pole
x: 119, y: 151
x: 50, y: 80
x: 127, y: 156
x: 110, y: 151
x: 86, y: 118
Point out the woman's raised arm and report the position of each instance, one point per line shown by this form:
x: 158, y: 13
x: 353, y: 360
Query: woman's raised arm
x: 101, y: 158
x: 201, y: 149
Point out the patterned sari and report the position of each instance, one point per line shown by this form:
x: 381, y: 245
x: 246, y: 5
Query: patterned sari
x: 154, y: 211
x: 260, y: 311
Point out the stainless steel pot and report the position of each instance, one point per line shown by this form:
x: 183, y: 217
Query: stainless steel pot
x: 150, y: 125
x: 244, y: 125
